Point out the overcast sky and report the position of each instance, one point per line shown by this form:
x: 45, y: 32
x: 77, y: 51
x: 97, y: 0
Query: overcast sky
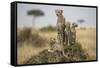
x: 70, y: 13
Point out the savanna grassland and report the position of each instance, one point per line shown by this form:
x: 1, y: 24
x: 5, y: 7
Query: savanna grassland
x: 32, y: 44
x: 87, y: 38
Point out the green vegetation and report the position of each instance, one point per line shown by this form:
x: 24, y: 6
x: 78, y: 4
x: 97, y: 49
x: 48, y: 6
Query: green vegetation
x: 26, y: 36
x: 49, y: 28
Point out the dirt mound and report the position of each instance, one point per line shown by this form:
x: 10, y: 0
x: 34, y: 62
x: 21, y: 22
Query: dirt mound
x: 73, y: 53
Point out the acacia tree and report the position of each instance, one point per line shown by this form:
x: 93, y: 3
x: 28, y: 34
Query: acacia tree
x: 81, y: 21
x: 35, y: 13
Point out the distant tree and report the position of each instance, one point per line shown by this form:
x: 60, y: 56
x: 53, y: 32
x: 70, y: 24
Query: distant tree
x: 35, y: 13
x: 81, y: 20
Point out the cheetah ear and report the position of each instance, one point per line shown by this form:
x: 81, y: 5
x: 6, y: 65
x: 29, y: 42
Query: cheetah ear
x: 61, y: 11
x: 76, y: 25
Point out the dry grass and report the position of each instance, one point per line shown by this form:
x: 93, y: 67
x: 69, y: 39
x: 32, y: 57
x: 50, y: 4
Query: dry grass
x: 25, y: 52
x: 87, y: 38
x: 29, y: 44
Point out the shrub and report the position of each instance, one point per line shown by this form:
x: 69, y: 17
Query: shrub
x: 48, y: 28
x: 26, y: 36
x: 37, y: 40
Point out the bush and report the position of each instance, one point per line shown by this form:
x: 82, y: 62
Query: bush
x: 48, y: 28
x: 37, y: 40
x: 26, y: 36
